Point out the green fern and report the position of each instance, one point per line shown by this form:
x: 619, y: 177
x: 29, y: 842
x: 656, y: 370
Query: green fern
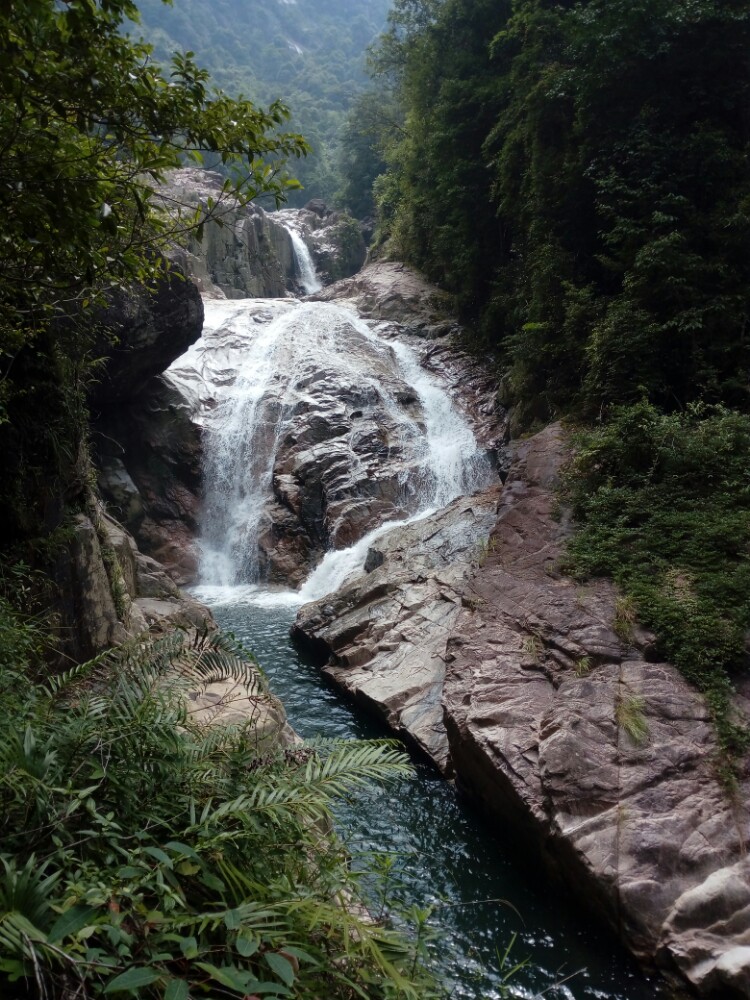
x: 148, y: 853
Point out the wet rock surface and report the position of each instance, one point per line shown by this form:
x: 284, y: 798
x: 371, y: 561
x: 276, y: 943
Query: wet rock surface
x: 401, y: 304
x: 329, y: 444
x: 384, y: 633
x: 512, y: 677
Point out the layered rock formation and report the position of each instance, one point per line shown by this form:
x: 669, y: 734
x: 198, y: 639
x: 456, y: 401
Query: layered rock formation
x: 143, y: 331
x: 383, y: 635
x: 149, y: 457
x: 513, y: 678
x: 242, y: 252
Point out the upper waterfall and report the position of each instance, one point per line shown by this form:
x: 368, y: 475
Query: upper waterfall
x: 308, y: 279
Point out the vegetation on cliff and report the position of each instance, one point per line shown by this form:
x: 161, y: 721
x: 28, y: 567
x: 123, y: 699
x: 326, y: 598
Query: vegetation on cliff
x: 576, y: 175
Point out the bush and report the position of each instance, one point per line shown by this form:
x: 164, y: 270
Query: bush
x: 144, y: 854
x: 663, y: 503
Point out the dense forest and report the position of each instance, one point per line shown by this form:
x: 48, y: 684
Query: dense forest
x: 576, y: 174
x: 307, y: 53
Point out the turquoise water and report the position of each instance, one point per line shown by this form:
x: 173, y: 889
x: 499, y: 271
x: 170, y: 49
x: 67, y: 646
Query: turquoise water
x: 442, y: 854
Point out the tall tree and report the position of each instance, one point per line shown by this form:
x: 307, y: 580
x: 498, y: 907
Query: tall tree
x: 88, y: 126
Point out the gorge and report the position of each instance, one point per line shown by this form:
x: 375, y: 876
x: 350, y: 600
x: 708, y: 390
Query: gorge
x: 459, y: 445
x: 339, y: 473
x: 321, y: 437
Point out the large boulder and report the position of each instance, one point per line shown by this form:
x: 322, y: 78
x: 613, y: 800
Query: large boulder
x: 566, y: 725
x: 143, y: 330
x: 382, y: 635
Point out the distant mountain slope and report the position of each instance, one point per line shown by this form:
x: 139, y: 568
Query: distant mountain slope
x: 309, y: 53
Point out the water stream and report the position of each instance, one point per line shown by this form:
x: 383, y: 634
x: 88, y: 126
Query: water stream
x: 441, y: 855
x: 308, y: 280
x: 441, y: 852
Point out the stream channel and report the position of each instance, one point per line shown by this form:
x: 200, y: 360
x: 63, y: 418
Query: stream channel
x: 248, y: 377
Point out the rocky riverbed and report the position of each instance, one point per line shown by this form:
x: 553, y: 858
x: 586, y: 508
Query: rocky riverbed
x: 514, y: 679
x: 536, y: 694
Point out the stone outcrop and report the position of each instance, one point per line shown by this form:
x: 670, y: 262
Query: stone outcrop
x: 608, y: 757
x: 149, y: 459
x: 242, y: 252
x: 337, y: 246
x: 111, y: 592
x: 246, y: 252
x: 143, y: 331
x: 568, y: 730
x: 384, y: 633
x: 394, y: 292
x: 115, y: 594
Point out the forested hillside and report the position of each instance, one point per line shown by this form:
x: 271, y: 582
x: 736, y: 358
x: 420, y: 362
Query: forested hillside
x: 308, y: 53
x: 576, y: 174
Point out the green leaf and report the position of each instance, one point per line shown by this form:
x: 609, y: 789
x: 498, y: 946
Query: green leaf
x: 132, y: 979
x: 189, y: 947
x: 177, y: 989
x: 179, y: 848
x: 281, y: 966
x: 158, y: 855
x: 246, y: 946
x: 228, y: 975
x: 128, y: 871
x: 70, y: 922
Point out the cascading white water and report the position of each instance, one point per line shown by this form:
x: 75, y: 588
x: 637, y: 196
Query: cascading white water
x: 266, y: 359
x: 308, y: 279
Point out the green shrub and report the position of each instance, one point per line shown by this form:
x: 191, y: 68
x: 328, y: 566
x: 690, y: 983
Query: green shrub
x: 663, y: 503
x: 146, y: 855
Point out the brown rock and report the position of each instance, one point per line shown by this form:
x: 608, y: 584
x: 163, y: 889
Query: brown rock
x: 559, y: 727
x: 384, y: 632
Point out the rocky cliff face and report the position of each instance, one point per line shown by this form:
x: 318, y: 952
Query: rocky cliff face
x: 334, y: 239
x: 146, y: 450
x: 515, y: 679
x: 246, y: 252
x: 242, y: 252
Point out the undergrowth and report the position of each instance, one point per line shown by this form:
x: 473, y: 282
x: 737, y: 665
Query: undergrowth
x: 146, y: 855
x: 663, y: 505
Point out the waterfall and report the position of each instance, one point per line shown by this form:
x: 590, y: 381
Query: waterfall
x: 270, y: 365
x: 308, y: 279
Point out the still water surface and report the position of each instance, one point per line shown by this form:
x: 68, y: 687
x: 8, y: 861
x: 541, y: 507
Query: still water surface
x: 444, y: 855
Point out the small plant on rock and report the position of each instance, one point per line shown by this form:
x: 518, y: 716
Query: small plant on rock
x: 629, y: 715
